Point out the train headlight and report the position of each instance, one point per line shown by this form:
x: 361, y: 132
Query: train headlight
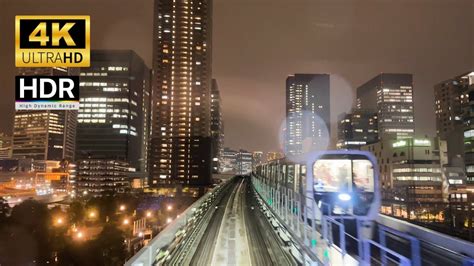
x: 344, y: 196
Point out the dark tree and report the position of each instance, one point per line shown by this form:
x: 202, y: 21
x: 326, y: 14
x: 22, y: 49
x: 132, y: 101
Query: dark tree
x: 106, y: 205
x: 107, y: 249
x: 110, y: 246
x: 26, y: 239
x: 78, y: 254
x: 76, y: 212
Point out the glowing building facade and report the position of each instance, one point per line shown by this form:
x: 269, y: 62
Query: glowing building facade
x: 113, y: 119
x: 392, y: 96
x: 307, y: 113
x: 468, y: 120
x: 100, y: 177
x: 357, y: 129
x: 180, y: 140
x: 217, y: 126
x: 411, y: 174
x: 451, y: 100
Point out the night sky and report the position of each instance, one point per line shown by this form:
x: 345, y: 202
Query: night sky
x: 257, y: 43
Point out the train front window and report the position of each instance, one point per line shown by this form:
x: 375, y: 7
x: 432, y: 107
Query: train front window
x: 363, y: 175
x: 343, y: 175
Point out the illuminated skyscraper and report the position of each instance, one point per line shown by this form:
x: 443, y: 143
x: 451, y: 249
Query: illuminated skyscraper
x: 357, y: 129
x: 307, y: 113
x: 217, y: 126
x: 114, y: 108
x: 451, y: 102
x: 44, y: 134
x: 180, y: 139
x: 392, y: 96
x: 450, y: 99
x: 469, y: 129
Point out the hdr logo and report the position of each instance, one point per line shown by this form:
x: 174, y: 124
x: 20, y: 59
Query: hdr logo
x: 52, y: 41
x: 47, y: 93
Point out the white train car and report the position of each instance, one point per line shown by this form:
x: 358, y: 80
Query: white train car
x: 343, y: 183
x: 334, y: 183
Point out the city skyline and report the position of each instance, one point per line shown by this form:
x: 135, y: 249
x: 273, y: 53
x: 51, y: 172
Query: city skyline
x: 338, y: 113
x: 246, y: 82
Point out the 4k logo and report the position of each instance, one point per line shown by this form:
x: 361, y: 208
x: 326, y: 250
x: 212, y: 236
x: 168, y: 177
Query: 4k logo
x: 52, y: 41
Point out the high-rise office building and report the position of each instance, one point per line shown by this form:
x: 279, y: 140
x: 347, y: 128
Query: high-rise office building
x: 114, y: 114
x: 357, y: 128
x: 307, y: 113
x: 45, y: 134
x: 180, y: 139
x: 217, y: 126
x: 469, y: 130
x: 229, y: 161
x: 454, y: 99
x: 244, y: 162
x: 392, y: 96
x: 5, y: 146
x: 237, y: 162
x: 451, y: 100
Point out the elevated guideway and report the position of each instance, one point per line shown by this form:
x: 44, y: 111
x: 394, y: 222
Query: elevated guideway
x: 226, y: 227
x: 245, y: 222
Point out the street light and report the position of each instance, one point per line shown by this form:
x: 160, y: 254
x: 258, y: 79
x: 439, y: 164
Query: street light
x: 169, y: 207
x: 148, y: 214
x: 92, y: 214
x: 79, y: 235
x: 169, y: 220
x: 122, y: 207
x: 126, y: 221
x: 59, y: 221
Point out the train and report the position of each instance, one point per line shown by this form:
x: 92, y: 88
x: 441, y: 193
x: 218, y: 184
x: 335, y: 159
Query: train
x: 332, y: 183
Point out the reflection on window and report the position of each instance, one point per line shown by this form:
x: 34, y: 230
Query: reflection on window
x: 336, y: 175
